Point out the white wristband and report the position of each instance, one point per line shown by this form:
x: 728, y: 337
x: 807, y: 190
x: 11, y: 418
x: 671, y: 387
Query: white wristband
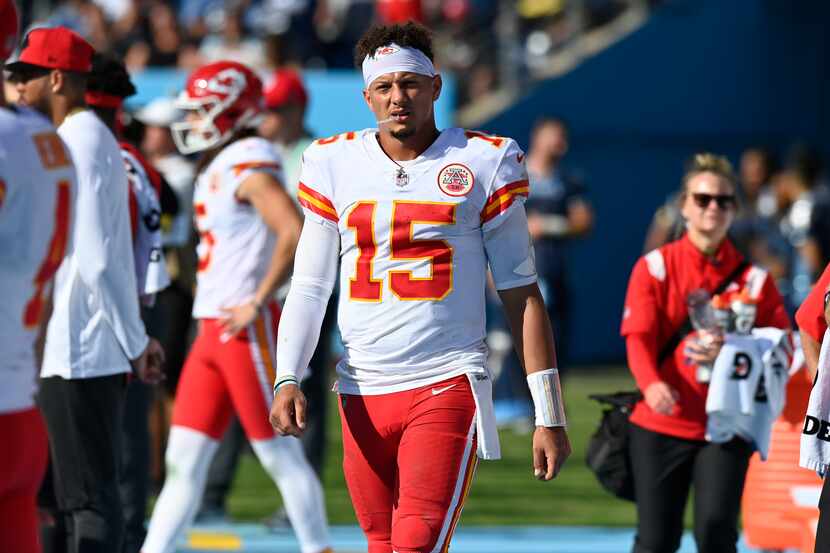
x: 547, y: 398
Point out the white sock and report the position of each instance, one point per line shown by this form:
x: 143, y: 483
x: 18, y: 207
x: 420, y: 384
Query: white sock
x: 283, y: 458
x: 188, y: 458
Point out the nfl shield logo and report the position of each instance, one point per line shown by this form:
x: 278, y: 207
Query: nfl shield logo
x: 455, y: 180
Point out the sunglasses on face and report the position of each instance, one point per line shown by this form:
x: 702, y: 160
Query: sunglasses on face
x: 724, y: 201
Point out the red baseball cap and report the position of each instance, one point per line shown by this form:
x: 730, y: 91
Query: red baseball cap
x: 55, y: 48
x: 285, y: 88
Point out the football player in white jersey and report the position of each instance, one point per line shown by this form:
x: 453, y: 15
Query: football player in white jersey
x: 37, y: 185
x: 248, y: 229
x: 415, y: 216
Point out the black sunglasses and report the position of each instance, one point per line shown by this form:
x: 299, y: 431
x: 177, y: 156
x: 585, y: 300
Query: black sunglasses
x: 724, y: 201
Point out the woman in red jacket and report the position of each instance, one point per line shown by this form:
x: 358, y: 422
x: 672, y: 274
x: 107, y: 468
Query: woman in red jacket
x: 668, y: 451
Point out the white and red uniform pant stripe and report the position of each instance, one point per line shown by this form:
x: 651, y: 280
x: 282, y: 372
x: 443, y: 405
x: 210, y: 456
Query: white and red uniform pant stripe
x: 220, y: 378
x: 409, y: 459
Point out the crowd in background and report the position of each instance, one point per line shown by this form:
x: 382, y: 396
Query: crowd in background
x: 490, y: 41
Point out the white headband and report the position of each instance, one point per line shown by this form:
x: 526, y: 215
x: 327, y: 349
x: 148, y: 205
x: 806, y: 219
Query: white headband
x: 394, y: 58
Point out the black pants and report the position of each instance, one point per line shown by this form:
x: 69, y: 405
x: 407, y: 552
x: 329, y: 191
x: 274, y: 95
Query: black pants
x: 665, y: 468
x: 84, y: 420
x: 135, y: 469
x: 823, y: 530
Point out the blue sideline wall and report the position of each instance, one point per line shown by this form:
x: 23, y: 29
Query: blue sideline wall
x: 700, y: 75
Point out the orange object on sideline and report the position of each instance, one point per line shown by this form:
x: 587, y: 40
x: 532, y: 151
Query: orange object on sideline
x: 771, y: 518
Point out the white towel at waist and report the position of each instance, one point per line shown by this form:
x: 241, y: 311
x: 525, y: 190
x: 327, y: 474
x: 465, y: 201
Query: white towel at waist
x: 486, y: 429
x: 815, y: 436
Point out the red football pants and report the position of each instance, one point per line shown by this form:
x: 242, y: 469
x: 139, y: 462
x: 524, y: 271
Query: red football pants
x: 409, y: 459
x: 220, y: 378
x: 22, y: 466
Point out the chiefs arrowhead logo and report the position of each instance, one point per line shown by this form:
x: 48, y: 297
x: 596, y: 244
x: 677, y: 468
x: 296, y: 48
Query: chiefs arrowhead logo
x: 455, y: 180
x: 386, y: 51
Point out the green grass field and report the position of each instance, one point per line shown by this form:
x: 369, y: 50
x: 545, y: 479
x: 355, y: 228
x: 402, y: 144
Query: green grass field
x: 504, y: 492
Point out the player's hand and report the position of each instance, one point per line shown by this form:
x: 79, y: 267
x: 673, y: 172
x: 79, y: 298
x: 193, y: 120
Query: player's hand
x: 234, y: 319
x: 288, y: 411
x: 705, y: 348
x: 551, y: 448
x: 149, y: 365
x: 661, y: 397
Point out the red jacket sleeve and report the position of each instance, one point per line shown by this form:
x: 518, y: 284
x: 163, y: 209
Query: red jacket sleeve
x: 810, y: 316
x: 640, y: 319
x: 641, y: 353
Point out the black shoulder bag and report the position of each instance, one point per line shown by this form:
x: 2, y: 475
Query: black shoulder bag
x: 607, y: 453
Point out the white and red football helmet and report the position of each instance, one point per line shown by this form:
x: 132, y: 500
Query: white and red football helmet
x: 9, y: 27
x: 227, y: 97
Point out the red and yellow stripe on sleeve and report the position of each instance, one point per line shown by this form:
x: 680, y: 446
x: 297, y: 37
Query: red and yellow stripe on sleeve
x: 240, y: 167
x: 500, y: 200
x: 316, y: 202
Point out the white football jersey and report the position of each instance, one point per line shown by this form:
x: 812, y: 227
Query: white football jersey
x: 413, y: 263
x: 235, y: 244
x: 37, y: 188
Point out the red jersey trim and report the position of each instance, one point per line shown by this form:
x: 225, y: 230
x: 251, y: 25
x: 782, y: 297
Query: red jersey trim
x: 239, y: 168
x: 500, y: 200
x: 317, y: 203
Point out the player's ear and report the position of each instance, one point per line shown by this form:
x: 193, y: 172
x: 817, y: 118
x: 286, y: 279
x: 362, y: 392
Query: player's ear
x: 57, y: 80
x: 366, y: 98
x: 437, y: 84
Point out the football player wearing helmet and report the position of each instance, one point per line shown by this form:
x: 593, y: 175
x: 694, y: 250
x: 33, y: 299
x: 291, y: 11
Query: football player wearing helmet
x: 248, y: 231
x: 414, y: 215
x: 37, y: 188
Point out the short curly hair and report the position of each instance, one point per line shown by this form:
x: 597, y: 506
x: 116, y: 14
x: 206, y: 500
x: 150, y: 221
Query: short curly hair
x: 410, y: 34
x: 108, y: 75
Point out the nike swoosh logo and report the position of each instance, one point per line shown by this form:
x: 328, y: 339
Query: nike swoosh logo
x: 520, y: 157
x: 436, y: 391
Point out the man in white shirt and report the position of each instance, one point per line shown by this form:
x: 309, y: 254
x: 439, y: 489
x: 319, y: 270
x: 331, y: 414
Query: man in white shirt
x: 95, y: 333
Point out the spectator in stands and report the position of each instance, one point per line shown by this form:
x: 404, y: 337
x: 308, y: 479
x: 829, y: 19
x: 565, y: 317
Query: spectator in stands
x: 232, y: 43
x: 157, y: 43
x: 668, y: 451
x: 85, y: 18
x: 399, y: 11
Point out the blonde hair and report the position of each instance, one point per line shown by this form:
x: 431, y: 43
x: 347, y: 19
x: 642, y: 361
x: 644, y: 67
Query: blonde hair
x: 706, y: 162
